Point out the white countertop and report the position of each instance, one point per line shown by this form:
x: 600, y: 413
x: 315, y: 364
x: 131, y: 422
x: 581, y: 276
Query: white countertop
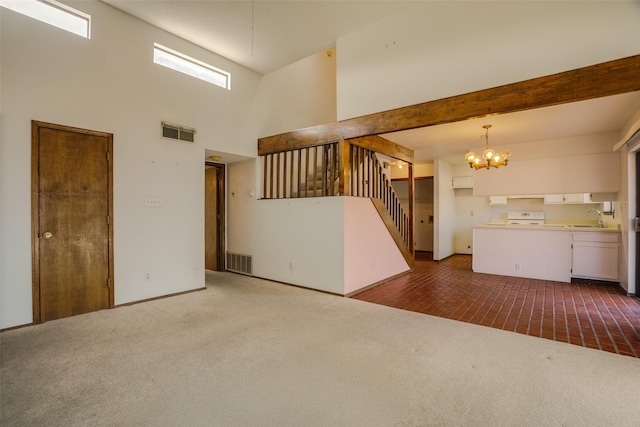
x: 551, y: 227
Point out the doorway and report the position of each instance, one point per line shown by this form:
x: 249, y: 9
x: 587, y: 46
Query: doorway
x: 214, y: 230
x: 72, y: 226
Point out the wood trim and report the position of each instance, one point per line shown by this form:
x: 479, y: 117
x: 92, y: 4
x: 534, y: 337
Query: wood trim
x: 344, y: 166
x: 374, y: 285
x: 109, y: 137
x: 595, y: 81
x: 393, y: 231
x: 411, y: 207
x: 35, y: 202
x: 384, y: 146
x: 160, y: 297
x: 221, y: 208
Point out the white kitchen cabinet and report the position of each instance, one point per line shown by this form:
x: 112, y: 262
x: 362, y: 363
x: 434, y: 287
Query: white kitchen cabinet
x: 462, y: 182
x: 595, y: 256
x: 497, y: 200
x: 571, y: 198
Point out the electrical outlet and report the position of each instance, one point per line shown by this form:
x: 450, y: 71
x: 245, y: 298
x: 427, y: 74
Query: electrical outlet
x: 290, y: 265
x: 517, y: 266
x: 147, y: 277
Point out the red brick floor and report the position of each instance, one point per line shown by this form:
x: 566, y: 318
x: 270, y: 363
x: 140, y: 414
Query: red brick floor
x: 598, y: 316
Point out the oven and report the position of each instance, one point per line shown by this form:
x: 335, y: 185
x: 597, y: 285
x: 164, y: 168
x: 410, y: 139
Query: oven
x: 525, y: 218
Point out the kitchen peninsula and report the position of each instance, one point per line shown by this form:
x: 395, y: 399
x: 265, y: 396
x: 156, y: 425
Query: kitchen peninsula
x: 549, y: 252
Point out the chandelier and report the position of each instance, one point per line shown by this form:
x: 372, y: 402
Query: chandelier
x: 489, y: 159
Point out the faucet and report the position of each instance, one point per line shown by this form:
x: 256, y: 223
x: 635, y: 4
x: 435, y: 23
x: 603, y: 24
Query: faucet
x: 600, y: 223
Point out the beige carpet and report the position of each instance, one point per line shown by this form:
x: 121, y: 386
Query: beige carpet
x: 247, y: 352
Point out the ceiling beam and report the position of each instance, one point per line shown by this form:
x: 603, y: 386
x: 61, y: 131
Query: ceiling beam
x: 595, y: 81
x: 384, y: 146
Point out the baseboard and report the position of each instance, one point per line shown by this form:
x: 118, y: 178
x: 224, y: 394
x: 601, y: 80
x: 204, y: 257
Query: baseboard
x: 11, y: 328
x: 159, y: 297
x: 373, y: 285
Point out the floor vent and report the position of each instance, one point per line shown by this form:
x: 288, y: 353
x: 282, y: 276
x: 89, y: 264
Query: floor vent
x: 178, y: 132
x: 239, y: 263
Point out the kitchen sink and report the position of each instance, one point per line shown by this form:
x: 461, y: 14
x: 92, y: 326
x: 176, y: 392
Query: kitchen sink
x: 583, y: 226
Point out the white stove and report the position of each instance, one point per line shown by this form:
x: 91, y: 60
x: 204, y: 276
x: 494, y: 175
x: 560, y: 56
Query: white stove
x: 525, y: 218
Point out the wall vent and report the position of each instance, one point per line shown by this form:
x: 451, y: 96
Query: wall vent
x: 239, y: 263
x: 178, y: 132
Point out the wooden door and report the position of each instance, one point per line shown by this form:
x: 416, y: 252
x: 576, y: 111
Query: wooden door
x: 71, y: 221
x: 214, y: 248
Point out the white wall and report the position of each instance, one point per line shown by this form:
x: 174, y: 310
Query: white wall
x: 438, y: 49
x: 242, y: 196
x: 370, y: 254
x: 299, y: 95
x: 109, y: 83
x: 347, y: 246
x: 289, y: 250
x: 445, y: 211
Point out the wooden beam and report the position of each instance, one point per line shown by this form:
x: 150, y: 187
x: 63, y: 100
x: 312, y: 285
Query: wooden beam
x: 384, y: 146
x: 595, y: 81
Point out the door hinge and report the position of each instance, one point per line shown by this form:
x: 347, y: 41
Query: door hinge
x: 108, y: 282
x: 108, y: 219
x: 107, y: 155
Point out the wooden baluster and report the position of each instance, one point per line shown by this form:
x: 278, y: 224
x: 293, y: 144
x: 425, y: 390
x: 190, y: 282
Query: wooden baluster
x: 291, y: 175
x: 264, y: 176
x: 365, y: 173
x: 344, y: 168
x: 325, y: 156
x: 278, y: 175
x: 284, y: 175
x: 271, y: 177
x: 299, y: 172
x: 332, y: 173
x: 369, y: 174
x: 315, y: 171
x: 306, y: 176
x: 410, y: 243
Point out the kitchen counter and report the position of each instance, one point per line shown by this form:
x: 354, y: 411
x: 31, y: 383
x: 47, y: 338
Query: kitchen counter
x: 536, y: 251
x: 552, y: 227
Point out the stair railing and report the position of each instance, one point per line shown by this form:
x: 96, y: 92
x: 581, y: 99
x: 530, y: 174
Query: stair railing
x: 339, y: 169
x: 301, y: 172
x: 369, y: 179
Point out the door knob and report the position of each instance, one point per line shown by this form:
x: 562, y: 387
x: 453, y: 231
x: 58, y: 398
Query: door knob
x: 47, y: 234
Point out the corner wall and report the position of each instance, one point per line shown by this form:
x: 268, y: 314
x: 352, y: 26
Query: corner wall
x: 110, y: 83
x: 435, y: 50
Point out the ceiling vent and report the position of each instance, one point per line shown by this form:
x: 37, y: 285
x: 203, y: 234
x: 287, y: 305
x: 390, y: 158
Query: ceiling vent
x: 178, y: 132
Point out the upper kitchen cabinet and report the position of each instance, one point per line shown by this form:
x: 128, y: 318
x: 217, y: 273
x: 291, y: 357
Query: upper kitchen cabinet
x: 462, y: 182
x: 571, y: 198
x: 589, y: 173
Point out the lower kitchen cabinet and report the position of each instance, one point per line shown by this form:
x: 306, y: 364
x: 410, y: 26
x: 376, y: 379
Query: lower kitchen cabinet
x: 537, y: 254
x: 595, y: 256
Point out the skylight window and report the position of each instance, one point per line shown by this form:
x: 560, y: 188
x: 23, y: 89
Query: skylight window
x: 53, y: 13
x: 190, y: 66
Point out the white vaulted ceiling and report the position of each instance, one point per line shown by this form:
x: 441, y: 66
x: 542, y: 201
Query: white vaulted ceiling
x: 262, y: 35
x: 265, y: 35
